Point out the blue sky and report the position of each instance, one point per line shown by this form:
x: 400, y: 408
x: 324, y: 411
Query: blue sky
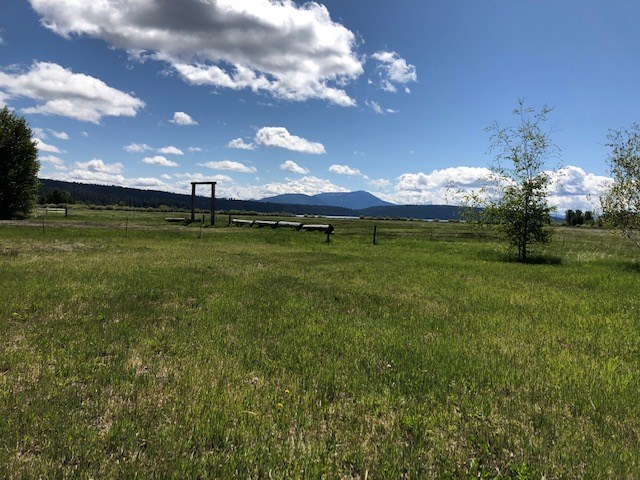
x: 270, y: 97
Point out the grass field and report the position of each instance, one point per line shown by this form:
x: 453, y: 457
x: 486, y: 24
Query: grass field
x: 134, y: 348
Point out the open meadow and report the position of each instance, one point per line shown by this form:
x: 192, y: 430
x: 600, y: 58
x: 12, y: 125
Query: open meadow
x: 130, y: 347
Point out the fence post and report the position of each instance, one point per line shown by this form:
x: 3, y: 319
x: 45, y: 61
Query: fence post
x: 375, y: 234
x: 229, y: 224
x: 66, y: 212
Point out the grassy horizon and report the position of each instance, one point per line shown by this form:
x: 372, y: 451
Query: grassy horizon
x: 168, y: 351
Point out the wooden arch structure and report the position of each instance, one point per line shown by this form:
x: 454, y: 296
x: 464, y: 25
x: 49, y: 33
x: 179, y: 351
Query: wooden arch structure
x: 213, y: 200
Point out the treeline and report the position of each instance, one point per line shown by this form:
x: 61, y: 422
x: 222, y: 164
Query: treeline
x: 575, y: 218
x: 59, y: 192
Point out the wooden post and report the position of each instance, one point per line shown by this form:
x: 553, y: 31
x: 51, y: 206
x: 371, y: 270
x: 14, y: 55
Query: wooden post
x: 66, y: 212
x: 193, y: 201
x: 228, y: 224
x: 375, y: 233
x: 43, y: 224
x: 213, y: 203
x: 126, y: 226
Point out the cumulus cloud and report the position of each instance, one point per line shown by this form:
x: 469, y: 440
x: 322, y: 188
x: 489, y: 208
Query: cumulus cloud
x: 183, y: 184
x: 240, y: 144
x: 97, y: 165
x: 344, y: 170
x: 230, y: 165
x: 573, y: 188
x: 380, y: 183
x: 68, y: 94
x: 438, y: 187
x: 45, y: 147
x: 60, y: 135
x: 181, y: 118
x: 170, y: 150
x: 294, y: 52
x: 137, y: 148
x: 94, y: 177
x: 569, y: 188
x: 280, y: 137
x: 293, y: 167
x: 159, y: 160
x: 194, y: 149
x: 307, y: 185
x: 55, y: 162
x: 39, y: 133
x: 394, y: 70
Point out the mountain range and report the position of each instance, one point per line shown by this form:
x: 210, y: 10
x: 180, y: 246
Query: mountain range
x: 369, y: 205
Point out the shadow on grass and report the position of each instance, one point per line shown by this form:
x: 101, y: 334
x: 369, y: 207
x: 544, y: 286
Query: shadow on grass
x: 501, y: 256
x: 632, y: 266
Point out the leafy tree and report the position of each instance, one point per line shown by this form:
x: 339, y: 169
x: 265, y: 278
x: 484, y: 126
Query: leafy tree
x: 578, y: 218
x: 621, y: 204
x: 588, y: 218
x: 568, y: 217
x: 57, y: 196
x: 18, y: 166
x: 521, y: 152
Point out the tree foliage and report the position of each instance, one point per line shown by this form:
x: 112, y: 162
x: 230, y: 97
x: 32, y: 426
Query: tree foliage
x: 520, y: 206
x: 18, y: 166
x: 56, y: 196
x: 621, y: 204
x: 573, y: 219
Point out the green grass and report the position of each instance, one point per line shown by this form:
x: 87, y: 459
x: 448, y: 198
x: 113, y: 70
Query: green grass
x: 168, y: 351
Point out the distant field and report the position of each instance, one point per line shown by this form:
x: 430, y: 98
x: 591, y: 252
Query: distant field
x: 130, y: 347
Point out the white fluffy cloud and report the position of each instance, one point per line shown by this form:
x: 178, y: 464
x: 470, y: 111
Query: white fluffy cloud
x: 68, y: 94
x: 230, y: 165
x: 570, y: 187
x: 101, y: 178
x: 293, y: 167
x: 240, y: 144
x: 291, y: 51
x: 440, y: 186
x: 170, y: 150
x: 98, y: 166
x: 394, y: 70
x: 573, y: 188
x: 307, y: 185
x: 344, y: 170
x: 183, y: 183
x: 194, y: 149
x: 59, y: 135
x: 45, y: 147
x: 280, y: 137
x: 379, y: 183
x: 55, y: 162
x: 181, y: 118
x: 159, y: 160
x: 137, y: 148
